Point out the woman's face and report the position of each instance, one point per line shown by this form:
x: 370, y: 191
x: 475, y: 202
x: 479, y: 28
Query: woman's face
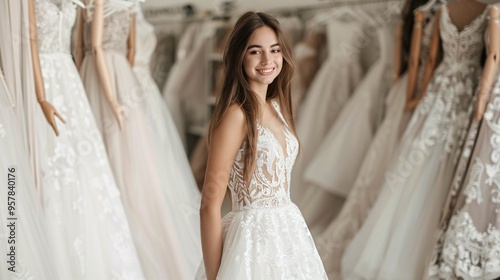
x: 263, y: 59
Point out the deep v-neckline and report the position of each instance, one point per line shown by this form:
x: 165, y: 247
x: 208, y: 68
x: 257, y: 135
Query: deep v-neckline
x: 467, y: 26
x: 284, y: 150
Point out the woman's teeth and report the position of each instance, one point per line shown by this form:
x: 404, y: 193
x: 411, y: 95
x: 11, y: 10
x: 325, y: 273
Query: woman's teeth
x: 266, y: 71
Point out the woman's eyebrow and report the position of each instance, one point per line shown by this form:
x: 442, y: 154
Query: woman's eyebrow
x: 259, y: 46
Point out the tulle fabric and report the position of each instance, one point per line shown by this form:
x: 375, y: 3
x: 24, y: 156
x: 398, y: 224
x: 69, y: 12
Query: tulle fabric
x: 88, y: 230
x: 330, y: 90
x: 33, y: 257
x: 267, y: 244
x: 181, y: 191
x: 333, y: 241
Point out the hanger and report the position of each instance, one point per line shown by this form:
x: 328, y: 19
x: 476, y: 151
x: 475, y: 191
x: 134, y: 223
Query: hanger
x: 429, y: 6
x: 342, y: 13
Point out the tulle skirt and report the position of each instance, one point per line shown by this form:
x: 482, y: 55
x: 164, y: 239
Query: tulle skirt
x: 267, y: 243
x: 163, y: 216
x: 88, y: 230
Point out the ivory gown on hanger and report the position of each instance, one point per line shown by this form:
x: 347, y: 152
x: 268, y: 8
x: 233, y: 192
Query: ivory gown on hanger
x: 331, y: 88
x: 468, y: 246
x: 265, y: 235
x: 329, y: 176
x: 32, y: 253
x: 181, y: 187
x: 144, y: 173
x: 88, y: 230
x: 334, y: 239
x: 394, y: 242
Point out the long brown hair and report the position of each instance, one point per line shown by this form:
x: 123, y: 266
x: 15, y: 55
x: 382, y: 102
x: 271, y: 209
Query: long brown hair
x: 235, y: 88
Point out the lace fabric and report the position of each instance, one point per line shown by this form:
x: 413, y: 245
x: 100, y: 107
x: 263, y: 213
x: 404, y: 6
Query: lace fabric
x: 269, y: 185
x: 82, y: 205
x: 265, y: 236
x: 115, y: 35
x: 469, y: 247
x: 420, y: 174
x: 52, y: 23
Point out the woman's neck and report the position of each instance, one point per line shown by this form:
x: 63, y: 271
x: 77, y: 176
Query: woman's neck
x: 261, y: 92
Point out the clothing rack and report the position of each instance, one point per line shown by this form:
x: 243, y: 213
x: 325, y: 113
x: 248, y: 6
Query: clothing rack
x: 300, y: 11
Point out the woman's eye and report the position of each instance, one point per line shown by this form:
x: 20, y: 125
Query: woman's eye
x: 254, y: 52
x: 276, y: 51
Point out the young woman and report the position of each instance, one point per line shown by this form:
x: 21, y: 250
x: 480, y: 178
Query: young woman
x: 252, y: 148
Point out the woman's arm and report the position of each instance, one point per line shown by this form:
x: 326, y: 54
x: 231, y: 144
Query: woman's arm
x: 226, y: 140
x: 131, y: 42
x: 102, y: 67
x: 491, y: 64
x: 48, y: 110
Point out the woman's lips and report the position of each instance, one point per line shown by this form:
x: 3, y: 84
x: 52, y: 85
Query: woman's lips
x: 266, y: 71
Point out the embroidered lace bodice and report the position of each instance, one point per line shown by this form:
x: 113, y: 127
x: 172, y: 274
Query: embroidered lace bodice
x: 269, y: 184
x: 462, y: 46
x: 54, y: 23
x: 115, y: 33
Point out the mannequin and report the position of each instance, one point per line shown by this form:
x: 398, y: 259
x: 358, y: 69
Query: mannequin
x: 397, y: 54
x: 48, y: 110
x: 97, y: 29
x: 467, y: 222
x: 81, y: 205
x: 462, y: 13
x: 164, y: 221
x: 393, y: 242
x: 414, y: 59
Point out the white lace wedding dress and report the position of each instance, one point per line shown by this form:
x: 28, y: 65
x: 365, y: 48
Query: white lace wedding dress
x: 469, y: 246
x: 265, y: 236
x: 88, y: 231
x: 394, y: 242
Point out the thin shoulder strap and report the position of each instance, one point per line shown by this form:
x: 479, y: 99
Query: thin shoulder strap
x: 277, y: 108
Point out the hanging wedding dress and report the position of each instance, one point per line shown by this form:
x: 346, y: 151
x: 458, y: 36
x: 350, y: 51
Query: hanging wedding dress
x: 265, y: 235
x: 186, y: 86
x: 331, y: 88
x: 393, y: 243
x: 163, y: 215
x: 32, y: 255
x: 329, y: 176
x: 181, y: 187
x: 87, y: 227
x: 468, y: 247
x: 333, y: 241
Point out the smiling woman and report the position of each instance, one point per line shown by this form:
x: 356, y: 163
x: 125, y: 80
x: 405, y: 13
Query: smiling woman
x: 253, y: 147
x: 262, y: 63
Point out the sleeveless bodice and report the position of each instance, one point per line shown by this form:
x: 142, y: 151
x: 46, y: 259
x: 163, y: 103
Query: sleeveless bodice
x: 340, y: 35
x: 269, y: 184
x: 115, y: 32
x: 54, y: 24
x: 145, y: 46
x: 466, y: 46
